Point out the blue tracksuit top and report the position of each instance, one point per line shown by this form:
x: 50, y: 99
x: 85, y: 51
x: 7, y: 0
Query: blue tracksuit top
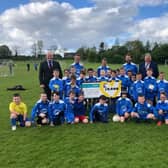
x: 130, y: 66
x: 79, y: 81
x: 91, y: 79
x: 100, y: 108
x: 150, y: 87
x: 56, y: 84
x: 105, y: 68
x: 114, y: 79
x: 123, y: 105
x: 68, y: 87
x: 138, y: 89
x: 125, y: 81
x: 79, y: 108
x: 162, y: 105
x: 69, y: 109
x: 78, y: 67
x: 65, y: 80
x: 55, y: 108
x: 162, y: 86
x: 102, y: 79
x: 40, y: 107
x: 143, y: 109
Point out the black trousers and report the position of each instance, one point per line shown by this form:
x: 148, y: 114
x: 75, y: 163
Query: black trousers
x: 47, y: 91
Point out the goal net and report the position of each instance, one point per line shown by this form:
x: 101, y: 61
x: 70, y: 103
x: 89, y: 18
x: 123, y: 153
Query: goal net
x: 6, y: 68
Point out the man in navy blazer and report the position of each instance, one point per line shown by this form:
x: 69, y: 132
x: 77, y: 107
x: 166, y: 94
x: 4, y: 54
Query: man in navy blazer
x: 148, y: 63
x: 46, y: 72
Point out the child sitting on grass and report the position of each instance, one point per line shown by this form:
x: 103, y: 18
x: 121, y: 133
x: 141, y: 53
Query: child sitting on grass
x: 41, y: 111
x: 99, y: 111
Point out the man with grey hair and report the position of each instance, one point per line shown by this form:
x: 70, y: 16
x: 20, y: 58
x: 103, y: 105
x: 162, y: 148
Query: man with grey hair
x: 46, y: 72
x: 148, y: 63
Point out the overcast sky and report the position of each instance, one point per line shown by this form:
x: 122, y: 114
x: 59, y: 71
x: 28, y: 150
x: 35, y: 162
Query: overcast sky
x: 74, y: 23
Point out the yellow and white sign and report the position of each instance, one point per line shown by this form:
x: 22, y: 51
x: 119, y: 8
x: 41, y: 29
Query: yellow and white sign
x: 108, y: 89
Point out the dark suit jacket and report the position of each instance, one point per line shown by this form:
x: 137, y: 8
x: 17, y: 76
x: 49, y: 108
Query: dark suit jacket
x: 153, y: 66
x: 46, y: 73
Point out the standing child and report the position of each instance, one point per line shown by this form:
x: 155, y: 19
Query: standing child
x: 18, y: 112
x: 56, y: 84
x: 72, y: 85
x: 41, y: 110
x: 69, y: 107
x: 150, y: 87
x: 138, y: 87
x: 99, y: 111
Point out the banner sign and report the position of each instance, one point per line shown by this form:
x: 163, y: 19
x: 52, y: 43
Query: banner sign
x: 108, y: 89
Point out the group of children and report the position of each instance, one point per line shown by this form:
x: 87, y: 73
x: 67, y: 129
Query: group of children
x: 141, y: 99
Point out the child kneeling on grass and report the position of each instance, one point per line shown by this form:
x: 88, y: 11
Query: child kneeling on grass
x: 99, y: 111
x: 123, y: 107
x: 162, y: 109
x: 18, y: 112
x: 142, y: 110
x: 80, y: 109
x: 56, y: 110
x: 41, y: 111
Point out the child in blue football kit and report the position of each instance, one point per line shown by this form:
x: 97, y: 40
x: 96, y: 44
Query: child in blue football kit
x: 138, y: 87
x: 142, y: 110
x: 56, y: 110
x: 125, y: 81
x: 69, y: 107
x: 56, y: 84
x: 150, y: 87
x: 41, y: 110
x: 80, y: 109
x: 90, y: 77
x: 81, y: 79
x: 102, y: 77
x: 66, y: 78
x: 162, y: 109
x: 72, y: 85
x: 123, y: 107
x: 99, y: 111
x: 162, y: 85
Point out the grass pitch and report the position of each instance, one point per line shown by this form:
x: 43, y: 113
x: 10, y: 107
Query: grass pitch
x: 111, y: 145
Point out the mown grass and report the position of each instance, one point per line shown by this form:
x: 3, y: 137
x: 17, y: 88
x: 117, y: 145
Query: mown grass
x: 109, y: 145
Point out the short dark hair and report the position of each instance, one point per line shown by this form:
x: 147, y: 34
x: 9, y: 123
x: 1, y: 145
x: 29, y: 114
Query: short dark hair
x: 102, y: 97
x: 73, y: 77
x: 16, y: 95
x: 56, y: 93
x: 71, y: 92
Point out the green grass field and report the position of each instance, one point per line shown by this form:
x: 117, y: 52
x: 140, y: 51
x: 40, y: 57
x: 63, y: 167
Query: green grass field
x: 111, y: 145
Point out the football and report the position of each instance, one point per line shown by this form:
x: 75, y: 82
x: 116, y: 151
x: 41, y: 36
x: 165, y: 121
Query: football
x: 116, y: 118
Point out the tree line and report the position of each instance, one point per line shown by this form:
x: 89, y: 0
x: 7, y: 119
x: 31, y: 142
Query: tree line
x: 114, y: 54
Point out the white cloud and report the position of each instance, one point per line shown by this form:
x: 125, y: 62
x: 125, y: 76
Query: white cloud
x: 153, y: 29
x: 63, y: 25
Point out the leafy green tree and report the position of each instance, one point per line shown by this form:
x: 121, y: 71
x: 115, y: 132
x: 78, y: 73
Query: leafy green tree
x: 5, y: 51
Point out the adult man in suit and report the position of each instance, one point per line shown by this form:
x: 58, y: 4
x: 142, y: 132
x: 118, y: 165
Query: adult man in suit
x: 46, y: 72
x: 148, y: 63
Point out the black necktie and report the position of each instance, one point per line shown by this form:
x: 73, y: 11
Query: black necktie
x: 50, y: 64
